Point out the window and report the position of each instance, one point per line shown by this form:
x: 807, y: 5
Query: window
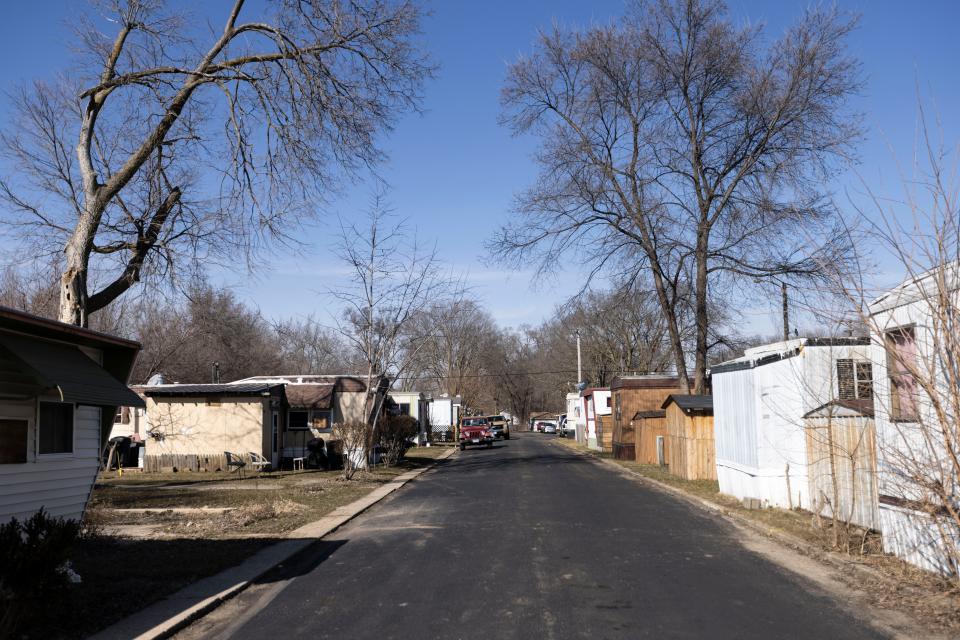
x: 854, y: 379
x: 320, y: 419
x: 608, y: 402
x: 619, y: 408
x: 297, y: 420
x: 404, y: 408
x: 901, y: 346
x: 55, y: 433
x: 13, y: 441
x: 123, y: 416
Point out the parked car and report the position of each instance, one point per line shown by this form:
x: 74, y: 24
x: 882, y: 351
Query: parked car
x: 546, y: 426
x: 500, y: 426
x: 475, y: 431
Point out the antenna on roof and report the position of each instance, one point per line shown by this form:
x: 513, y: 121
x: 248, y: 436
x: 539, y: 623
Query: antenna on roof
x: 216, y: 372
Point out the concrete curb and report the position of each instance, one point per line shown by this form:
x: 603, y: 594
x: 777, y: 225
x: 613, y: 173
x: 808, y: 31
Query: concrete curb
x: 171, y: 614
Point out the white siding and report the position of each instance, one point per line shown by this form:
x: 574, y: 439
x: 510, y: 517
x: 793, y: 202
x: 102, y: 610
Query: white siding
x: 60, y: 483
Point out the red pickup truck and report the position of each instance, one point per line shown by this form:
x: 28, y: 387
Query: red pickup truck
x: 475, y: 431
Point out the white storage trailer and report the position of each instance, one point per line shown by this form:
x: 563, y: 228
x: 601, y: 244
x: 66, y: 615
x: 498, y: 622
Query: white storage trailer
x: 759, y: 404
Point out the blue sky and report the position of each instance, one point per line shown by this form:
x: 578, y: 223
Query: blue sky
x: 454, y: 170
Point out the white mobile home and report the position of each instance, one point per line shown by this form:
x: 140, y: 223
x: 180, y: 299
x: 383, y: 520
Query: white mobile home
x: 917, y: 345
x: 759, y: 404
x: 596, y: 406
x: 60, y: 387
x: 444, y: 414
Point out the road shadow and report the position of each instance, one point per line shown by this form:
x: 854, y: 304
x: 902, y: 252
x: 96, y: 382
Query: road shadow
x: 301, y: 563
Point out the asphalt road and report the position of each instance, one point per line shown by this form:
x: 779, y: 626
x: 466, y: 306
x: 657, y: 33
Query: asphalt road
x: 529, y: 540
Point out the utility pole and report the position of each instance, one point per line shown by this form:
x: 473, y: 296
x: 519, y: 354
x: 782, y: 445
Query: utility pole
x: 579, y: 361
x: 786, y: 312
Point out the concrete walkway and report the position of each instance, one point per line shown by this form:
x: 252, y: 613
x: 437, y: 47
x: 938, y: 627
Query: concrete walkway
x: 165, y: 617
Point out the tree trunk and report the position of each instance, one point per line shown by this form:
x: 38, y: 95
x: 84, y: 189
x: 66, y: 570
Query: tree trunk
x: 700, y: 313
x: 73, y: 281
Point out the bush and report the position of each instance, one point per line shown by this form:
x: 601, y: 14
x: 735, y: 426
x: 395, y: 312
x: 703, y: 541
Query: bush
x: 33, y: 570
x: 394, y: 434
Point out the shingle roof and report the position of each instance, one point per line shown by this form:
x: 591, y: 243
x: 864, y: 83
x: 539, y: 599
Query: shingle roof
x: 690, y: 402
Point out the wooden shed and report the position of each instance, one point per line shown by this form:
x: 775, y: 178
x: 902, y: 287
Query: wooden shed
x: 690, y: 436
x: 631, y: 397
x: 842, y: 459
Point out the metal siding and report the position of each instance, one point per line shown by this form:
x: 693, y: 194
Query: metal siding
x: 60, y: 484
x: 734, y: 417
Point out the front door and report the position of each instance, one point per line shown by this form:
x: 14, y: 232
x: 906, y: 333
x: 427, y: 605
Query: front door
x: 274, y: 440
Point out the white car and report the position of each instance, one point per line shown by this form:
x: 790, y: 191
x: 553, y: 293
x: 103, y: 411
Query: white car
x: 549, y: 427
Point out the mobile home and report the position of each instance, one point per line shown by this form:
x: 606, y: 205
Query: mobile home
x: 760, y: 401
x: 60, y: 387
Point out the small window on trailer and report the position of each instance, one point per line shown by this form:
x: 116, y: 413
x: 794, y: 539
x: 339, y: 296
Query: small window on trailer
x: 854, y: 379
x: 404, y: 408
x: 320, y: 419
x: 55, y: 428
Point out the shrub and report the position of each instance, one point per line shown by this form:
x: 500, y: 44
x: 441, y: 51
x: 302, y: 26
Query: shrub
x: 33, y: 570
x: 394, y: 433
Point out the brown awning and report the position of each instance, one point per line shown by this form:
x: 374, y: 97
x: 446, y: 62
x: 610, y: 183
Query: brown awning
x: 309, y: 396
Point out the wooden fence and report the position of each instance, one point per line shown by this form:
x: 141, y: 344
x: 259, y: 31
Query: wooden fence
x: 167, y: 462
x: 843, y: 450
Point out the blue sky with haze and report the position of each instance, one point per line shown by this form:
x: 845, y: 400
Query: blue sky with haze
x: 454, y: 171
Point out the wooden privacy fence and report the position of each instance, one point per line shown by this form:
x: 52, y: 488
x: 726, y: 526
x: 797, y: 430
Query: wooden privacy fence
x: 842, y: 459
x: 167, y: 462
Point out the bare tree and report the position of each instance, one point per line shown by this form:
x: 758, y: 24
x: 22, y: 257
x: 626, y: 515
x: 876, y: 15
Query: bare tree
x: 454, y: 338
x: 172, y: 144
x: 392, y: 281
x: 675, y: 143
x: 307, y: 346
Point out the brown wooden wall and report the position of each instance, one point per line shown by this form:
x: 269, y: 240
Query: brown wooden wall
x: 693, y: 454
x: 632, y: 401
x: 851, y: 443
x: 647, y: 430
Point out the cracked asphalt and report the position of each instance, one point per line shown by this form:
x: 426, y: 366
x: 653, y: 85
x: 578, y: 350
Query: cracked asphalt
x: 529, y: 540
